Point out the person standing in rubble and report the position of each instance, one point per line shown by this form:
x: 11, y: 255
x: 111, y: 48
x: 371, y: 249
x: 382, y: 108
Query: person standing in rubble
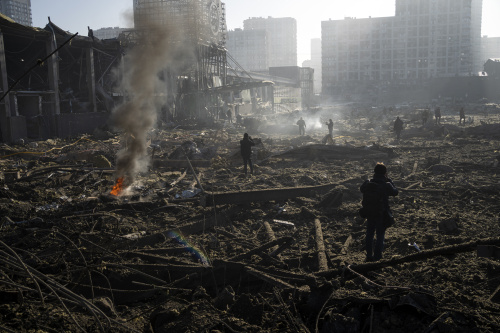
x: 229, y: 116
x: 376, y: 222
x: 437, y: 115
x: 462, y: 116
x: 302, y: 126
x: 398, y: 127
x: 246, y: 152
x: 330, y: 128
x: 425, y: 116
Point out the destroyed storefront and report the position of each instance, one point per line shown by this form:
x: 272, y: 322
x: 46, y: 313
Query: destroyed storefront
x: 53, y: 83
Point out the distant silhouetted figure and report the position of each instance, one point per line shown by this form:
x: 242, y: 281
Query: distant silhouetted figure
x: 425, y: 116
x: 398, y: 127
x: 229, y: 115
x: 91, y: 33
x: 437, y: 115
x: 302, y: 126
x: 246, y: 151
x: 330, y: 128
x: 239, y: 118
x: 462, y: 116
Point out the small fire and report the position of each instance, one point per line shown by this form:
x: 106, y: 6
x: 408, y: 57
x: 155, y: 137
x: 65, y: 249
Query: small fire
x: 118, y: 187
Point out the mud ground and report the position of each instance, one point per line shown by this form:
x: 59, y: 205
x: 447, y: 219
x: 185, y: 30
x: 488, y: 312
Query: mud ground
x: 164, y: 257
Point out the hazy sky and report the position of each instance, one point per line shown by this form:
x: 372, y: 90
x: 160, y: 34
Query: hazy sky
x: 76, y: 15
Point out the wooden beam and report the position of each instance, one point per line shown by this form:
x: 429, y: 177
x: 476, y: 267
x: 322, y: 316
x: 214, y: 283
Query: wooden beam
x: 320, y: 246
x: 178, y: 164
x: 266, y: 195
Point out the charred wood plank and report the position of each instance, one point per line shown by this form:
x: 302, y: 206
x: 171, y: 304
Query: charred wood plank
x: 266, y: 195
x: 347, y: 244
x: 185, y: 230
x: 320, y: 246
x: 280, y: 274
x: 269, y: 279
x: 422, y: 255
x: 167, y: 267
x: 279, y: 241
x: 178, y: 164
x: 333, y: 152
x: 270, y: 234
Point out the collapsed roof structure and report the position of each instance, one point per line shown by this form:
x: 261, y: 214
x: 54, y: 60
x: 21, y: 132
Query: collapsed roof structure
x: 53, y: 83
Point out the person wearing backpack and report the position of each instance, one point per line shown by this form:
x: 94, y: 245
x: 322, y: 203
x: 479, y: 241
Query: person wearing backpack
x: 375, y: 208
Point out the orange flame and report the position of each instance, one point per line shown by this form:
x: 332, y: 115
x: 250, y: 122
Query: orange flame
x: 118, y: 187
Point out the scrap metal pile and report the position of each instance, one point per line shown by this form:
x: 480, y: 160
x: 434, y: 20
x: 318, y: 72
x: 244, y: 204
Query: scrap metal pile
x: 198, y: 247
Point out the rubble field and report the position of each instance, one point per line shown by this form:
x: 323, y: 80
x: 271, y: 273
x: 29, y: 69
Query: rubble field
x: 194, y: 245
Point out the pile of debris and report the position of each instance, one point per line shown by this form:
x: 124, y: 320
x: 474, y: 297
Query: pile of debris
x: 194, y: 245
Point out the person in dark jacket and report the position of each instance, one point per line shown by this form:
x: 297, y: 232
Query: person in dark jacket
x: 437, y: 115
x: 398, y: 127
x: 330, y: 128
x: 302, y: 126
x: 462, y: 116
x: 376, y: 224
x: 246, y: 151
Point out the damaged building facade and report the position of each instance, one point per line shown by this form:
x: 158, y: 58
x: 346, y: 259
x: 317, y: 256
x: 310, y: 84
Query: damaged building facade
x: 58, y: 84
x: 53, y: 83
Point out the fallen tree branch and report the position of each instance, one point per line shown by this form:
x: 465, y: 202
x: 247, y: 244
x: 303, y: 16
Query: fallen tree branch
x: 423, y: 255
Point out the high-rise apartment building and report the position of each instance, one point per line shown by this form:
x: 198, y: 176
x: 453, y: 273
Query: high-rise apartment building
x: 108, y: 33
x: 249, y: 48
x: 316, y: 63
x: 281, y: 38
x: 425, y: 39
x: 18, y: 10
x: 490, y: 48
x: 198, y: 21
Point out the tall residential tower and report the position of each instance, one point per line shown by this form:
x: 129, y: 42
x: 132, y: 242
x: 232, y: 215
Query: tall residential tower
x: 18, y: 10
x: 425, y: 39
x: 281, y: 38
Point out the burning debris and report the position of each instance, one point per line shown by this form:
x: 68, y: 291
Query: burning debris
x: 118, y: 187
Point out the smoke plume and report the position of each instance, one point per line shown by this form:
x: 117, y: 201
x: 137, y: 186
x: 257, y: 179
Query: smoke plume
x: 139, y: 76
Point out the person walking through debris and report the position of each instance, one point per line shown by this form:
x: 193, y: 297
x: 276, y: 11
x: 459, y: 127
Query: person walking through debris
x: 462, y: 116
x: 375, y: 208
x: 229, y: 115
x: 302, y: 126
x: 437, y: 115
x: 330, y: 128
x: 246, y: 152
x: 425, y: 116
x: 398, y: 127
